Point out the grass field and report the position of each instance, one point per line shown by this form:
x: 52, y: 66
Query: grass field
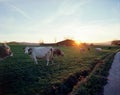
x: 19, y: 75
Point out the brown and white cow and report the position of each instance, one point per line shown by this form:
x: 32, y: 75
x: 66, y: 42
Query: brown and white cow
x: 57, y: 52
x: 5, y: 51
x: 42, y: 52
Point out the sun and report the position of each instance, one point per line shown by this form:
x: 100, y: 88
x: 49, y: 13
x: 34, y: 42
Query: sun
x: 77, y: 42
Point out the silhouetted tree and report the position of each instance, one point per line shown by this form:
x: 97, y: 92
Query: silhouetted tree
x: 115, y: 42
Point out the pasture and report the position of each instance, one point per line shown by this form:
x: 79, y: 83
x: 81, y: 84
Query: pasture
x: 19, y: 75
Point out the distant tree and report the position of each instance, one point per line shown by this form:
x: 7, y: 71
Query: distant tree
x: 41, y: 42
x: 13, y: 43
x: 115, y: 42
x: 91, y: 44
x: 67, y: 42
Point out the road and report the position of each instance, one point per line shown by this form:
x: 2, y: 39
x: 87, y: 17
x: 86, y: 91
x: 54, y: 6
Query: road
x: 113, y: 85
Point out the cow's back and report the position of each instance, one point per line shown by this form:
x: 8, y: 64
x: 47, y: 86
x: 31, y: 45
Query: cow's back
x: 41, y: 51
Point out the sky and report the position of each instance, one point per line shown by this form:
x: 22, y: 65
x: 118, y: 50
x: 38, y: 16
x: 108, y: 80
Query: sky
x: 55, y: 20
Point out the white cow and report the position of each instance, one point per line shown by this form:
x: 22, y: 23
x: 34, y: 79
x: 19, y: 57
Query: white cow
x: 98, y: 49
x: 42, y: 52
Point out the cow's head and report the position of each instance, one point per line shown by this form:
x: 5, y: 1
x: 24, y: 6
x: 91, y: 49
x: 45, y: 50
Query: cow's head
x: 7, y: 49
x: 28, y: 50
x: 58, y: 52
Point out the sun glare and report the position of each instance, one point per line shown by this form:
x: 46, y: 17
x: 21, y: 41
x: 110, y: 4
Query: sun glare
x: 77, y: 42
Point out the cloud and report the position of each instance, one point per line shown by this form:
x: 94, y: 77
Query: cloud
x: 87, y: 32
x: 60, y: 24
x: 67, y: 8
x: 20, y: 11
x: 4, y: 0
x: 70, y: 7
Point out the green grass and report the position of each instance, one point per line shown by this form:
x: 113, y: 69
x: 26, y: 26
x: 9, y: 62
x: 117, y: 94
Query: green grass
x: 19, y: 75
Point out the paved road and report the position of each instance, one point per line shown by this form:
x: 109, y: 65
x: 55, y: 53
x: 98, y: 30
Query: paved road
x: 113, y: 86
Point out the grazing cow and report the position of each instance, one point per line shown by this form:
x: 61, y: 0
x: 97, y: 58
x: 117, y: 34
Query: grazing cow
x: 82, y: 49
x: 5, y: 51
x: 42, y: 52
x: 98, y: 49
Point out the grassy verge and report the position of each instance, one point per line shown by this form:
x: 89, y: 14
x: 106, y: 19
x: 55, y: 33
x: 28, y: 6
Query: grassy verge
x: 20, y: 76
x: 97, y: 78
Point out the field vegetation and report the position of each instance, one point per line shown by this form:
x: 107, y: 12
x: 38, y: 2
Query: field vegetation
x: 19, y: 75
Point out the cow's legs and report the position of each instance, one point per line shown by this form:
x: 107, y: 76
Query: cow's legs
x: 52, y: 60
x: 47, y: 62
x: 35, y: 60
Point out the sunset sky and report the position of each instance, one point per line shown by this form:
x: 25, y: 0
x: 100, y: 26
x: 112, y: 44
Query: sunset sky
x: 56, y: 20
